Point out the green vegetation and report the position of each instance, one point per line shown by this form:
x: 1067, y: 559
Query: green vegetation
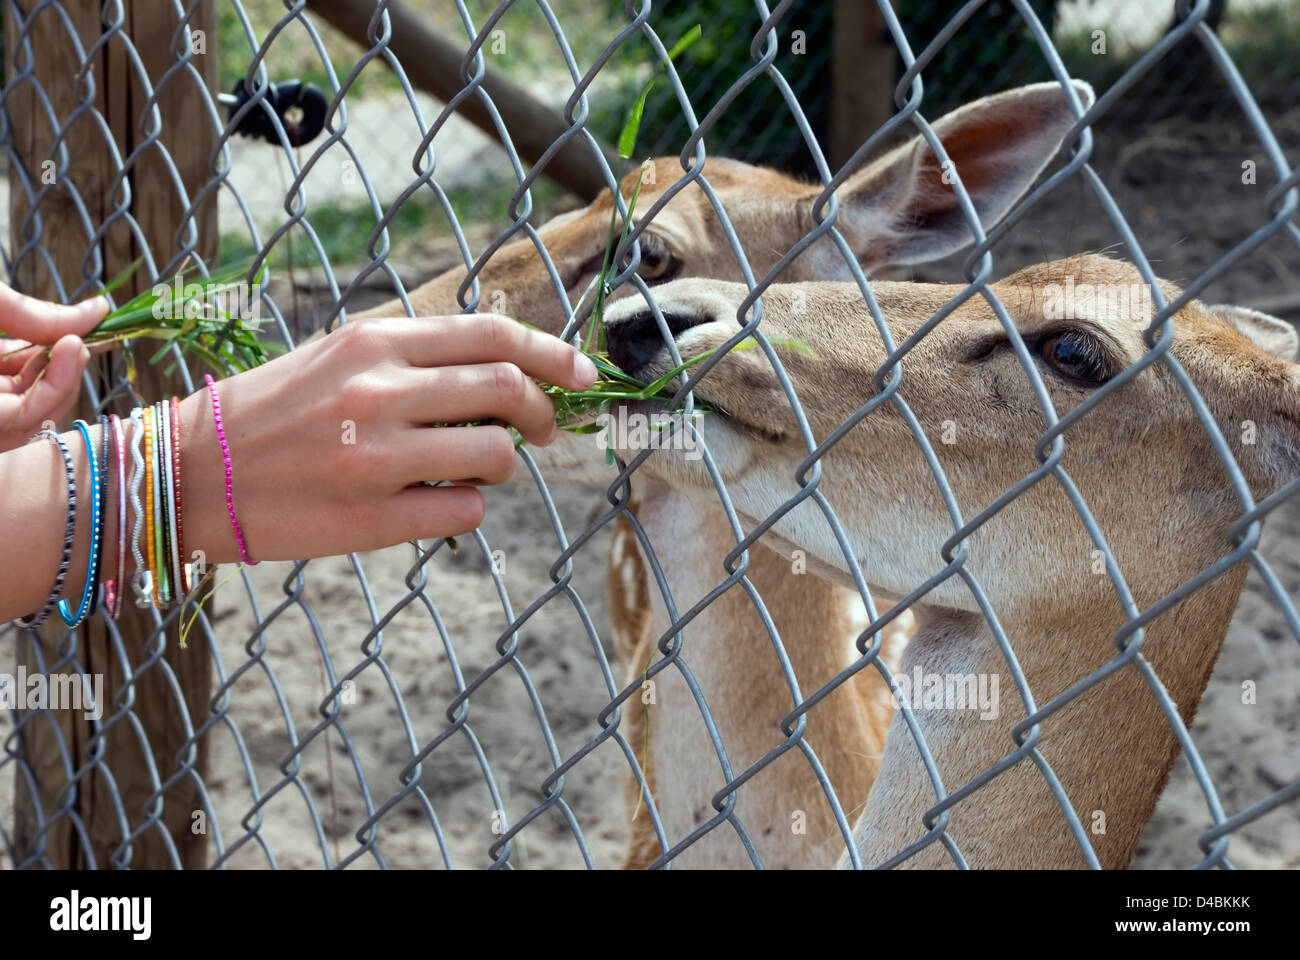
x: 189, y: 312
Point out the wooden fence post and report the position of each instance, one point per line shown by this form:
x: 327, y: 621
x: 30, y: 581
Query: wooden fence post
x: 188, y: 137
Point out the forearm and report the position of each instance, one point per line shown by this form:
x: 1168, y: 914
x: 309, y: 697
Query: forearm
x: 33, y: 510
x: 331, y: 451
x: 33, y: 487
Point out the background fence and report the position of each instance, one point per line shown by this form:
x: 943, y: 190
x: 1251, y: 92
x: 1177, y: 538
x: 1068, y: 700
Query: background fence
x: 431, y: 706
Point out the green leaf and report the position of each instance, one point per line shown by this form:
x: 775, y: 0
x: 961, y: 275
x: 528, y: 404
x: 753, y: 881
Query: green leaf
x: 627, y: 138
x: 688, y: 39
x: 122, y: 277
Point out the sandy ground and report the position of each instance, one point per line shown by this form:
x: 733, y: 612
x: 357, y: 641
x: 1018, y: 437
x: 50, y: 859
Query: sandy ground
x: 555, y: 656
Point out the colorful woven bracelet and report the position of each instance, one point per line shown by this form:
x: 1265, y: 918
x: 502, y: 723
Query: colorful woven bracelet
x: 69, y: 533
x: 74, y: 620
x: 165, y: 501
x: 115, y: 588
x: 147, y: 417
x: 159, y: 509
x: 230, y: 482
x: 181, y: 566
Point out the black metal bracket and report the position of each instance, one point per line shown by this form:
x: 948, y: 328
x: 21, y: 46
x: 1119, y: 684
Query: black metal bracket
x: 300, y: 106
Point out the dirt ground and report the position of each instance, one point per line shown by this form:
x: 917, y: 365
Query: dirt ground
x: 1188, y: 207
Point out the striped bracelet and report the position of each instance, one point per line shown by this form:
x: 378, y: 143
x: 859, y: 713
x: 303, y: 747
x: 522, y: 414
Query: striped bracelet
x: 142, y: 580
x: 105, y: 479
x: 182, y: 571
x: 115, y: 588
x: 149, y: 539
x: 69, y: 533
x: 167, y: 504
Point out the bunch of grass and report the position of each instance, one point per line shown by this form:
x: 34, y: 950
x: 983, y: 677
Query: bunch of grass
x: 576, y: 409
x: 194, y: 320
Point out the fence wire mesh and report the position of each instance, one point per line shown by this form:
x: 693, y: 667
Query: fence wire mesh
x: 420, y: 706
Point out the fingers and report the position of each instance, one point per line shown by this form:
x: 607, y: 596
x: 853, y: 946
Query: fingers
x: 477, y: 455
x: 485, y: 338
x: 14, y: 355
x: 426, y: 512
x: 21, y: 369
x: 484, y: 391
x: 38, y: 321
x: 43, y: 390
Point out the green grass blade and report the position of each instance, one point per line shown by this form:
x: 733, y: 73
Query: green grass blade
x: 122, y: 277
x: 688, y: 39
x: 602, y: 282
x: 631, y: 126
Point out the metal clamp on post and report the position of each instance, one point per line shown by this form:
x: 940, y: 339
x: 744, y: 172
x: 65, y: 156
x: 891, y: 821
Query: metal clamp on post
x: 300, y: 106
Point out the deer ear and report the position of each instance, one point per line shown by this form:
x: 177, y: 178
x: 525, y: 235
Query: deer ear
x: 1269, y: 333
x: 900, y: 210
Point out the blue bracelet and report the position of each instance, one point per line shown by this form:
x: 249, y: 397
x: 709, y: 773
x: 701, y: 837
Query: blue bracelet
x: 93, y: 561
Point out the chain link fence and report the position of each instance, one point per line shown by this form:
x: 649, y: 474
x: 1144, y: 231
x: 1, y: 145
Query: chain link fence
x: 445, y: 704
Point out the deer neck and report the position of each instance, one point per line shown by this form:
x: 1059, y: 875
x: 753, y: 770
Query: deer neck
x: 1111, y: 747
x: 732, y: 658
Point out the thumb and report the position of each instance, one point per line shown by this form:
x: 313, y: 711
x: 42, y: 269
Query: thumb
x: 54, y: 392
x: 39, y: 321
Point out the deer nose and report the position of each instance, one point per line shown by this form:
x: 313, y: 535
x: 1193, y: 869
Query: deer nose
x: 635, y: 341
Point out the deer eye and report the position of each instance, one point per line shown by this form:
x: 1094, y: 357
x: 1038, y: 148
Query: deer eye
x: 1076, y: 356
x: 658, y: 264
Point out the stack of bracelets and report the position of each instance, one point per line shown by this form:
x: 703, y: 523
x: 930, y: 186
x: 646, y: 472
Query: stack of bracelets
x: 162, y: 578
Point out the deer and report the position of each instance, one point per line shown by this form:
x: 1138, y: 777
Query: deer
x: 894, y: 212
x: 1140, y: 457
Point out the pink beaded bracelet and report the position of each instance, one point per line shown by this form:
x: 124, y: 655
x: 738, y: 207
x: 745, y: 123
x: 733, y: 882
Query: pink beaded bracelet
x: 230, y: 479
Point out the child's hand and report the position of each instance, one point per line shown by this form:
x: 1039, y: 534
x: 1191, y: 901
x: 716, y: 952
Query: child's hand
x: 33, y: 387
x: 330, y: 443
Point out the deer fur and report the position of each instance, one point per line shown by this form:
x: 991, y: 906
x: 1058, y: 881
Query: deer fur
x: 1140, y: 458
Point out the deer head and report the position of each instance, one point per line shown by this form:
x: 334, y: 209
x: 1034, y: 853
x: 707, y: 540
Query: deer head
x: 1140, y: 457
x: 896, y: 210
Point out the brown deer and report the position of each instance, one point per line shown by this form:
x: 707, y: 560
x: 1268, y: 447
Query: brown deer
x: 898, y: 210
x: 1142, y: 460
